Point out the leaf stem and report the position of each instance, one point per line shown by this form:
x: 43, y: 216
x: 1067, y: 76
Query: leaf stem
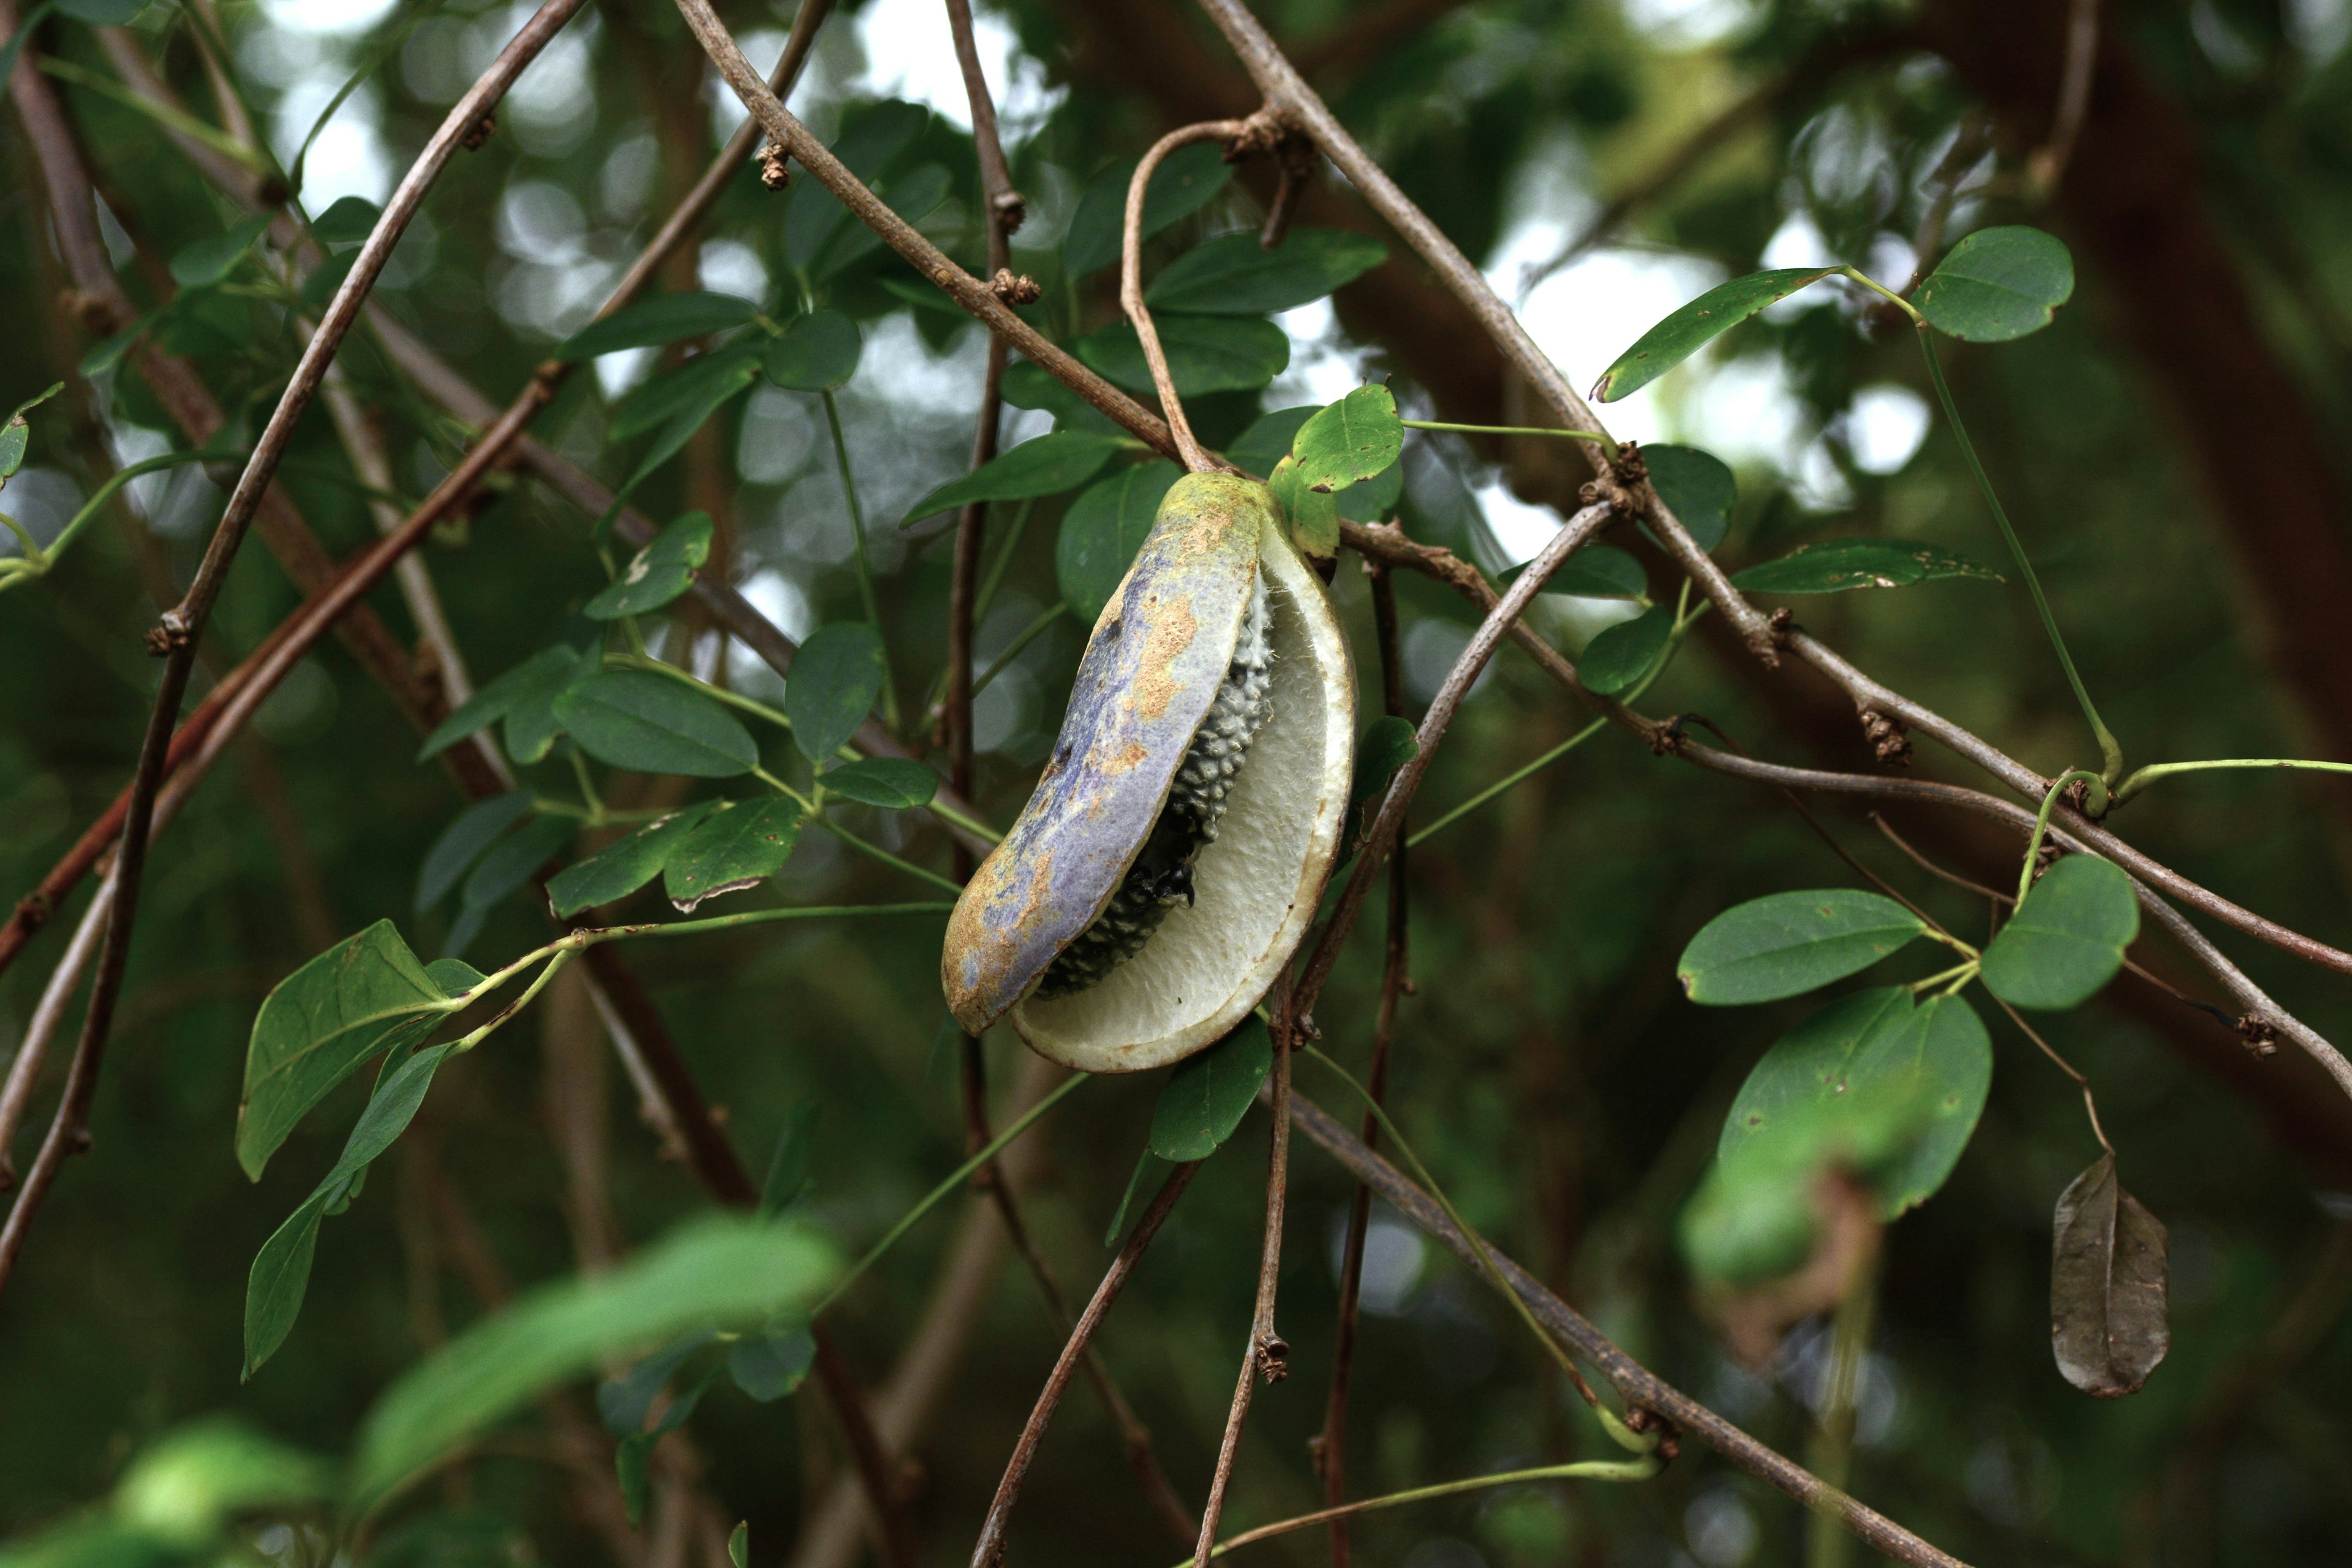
x: 187, y: 125
x: 2041, y: 825
x: 878, y: 853
x: 2155, y: 771
x: 1509, y: 430
x: 858, y: 540
x: 1944, y: 976
x: 686, y: 676
x: 1013, y: 649
x: 43, y: 560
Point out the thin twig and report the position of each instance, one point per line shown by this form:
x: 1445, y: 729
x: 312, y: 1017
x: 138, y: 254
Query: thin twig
x: 2048, y: 162
x: 1189, y: 450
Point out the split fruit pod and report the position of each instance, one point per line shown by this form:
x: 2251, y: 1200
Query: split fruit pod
x: 1176, y: 845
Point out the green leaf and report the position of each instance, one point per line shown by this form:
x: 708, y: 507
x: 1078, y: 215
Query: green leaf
x: 835, y: 681
x: 895, y: 783
x: 739, y: 1544
x: 531, y: 724
x: 327, y: 278
x: 104, y: 356
x: 817, y: 352
x: 869, y: 144
x: 1270, y: 438
x: 1207, y: 1095
x: 788, y: 1168
x: 16, y: 433
x: 715, y: 395
x: 769, y: 1365
x: 1788, y: 943
x: 1145, y: 1163
x: 200, y: 1476
x: 208, y: 261
x: 1619, y: 655
x: 454, y: 975
x: 498, y: 699
x: 473, y: 831
x: 1314, y: 514
x: 691, y: 391
x: 633, y: 1466
x: 1354, y: 438
x: 2109, y: 1274
x: 654, y: 321
x: 728, y: 1272
x: 1237, y: 276
x: 1998, y: 284
x: 1698, y: 487
x: 1205, y: 353
x: 1696, y: 324
x: 1835, y: 566
x: 513, y: 860
x: 1103, y: 529
x: 734, y: 848
x: 1595, y: 571
x: 913, y: 195
x: 101, y: 13
x: 366, y: 994
x: 1388, y: 743
x: 660, y: 572
x: 1185, y: 179
x: 282, y: 1269
x: 1043, y: 465
x: 1027, y: 386
x: 349, y: 222
x: 2067, y: 939
x: 637, y: 720
x: 624, y: 866
x: 623, y: 1403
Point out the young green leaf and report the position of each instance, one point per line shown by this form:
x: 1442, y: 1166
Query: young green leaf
x: 913, y: 195
x: 624, y: 866
x: 348, y: 222
x: 1102, y: 531
x: 1787, y: 944
x: 660, y: 573
x: 817, y: 352
x: 725, y: 383
x: 1145, y: 1163
x: 1041, y: 465
x: 531, y: 725
x: 1207, y: 1095
x: 1692, y: 328
x: 2067, y: 940
x: 835, y: 678
x: 454, y: 975
x: 366, y: 994
x: 895, y: 783
x: 105, y: 355
x: 1595, y: 571
x: 772, y: 1363
x: 1314, y: 514
x: 1388, y: 743
x: 654, y: 321
x: 1619, y: 655
x: 1698, y: 487
x: 1835, y: 566
x: 788, y: 1168
x: 513, y: 861
x: 1268, y: 438
x: 198, y: 1479
x: 623, y: 1403
x: 739, y: 1543
x: 869, y: 144
x: 473, y: 831
x: 1186, y: 178
x: 727, y: 1272
x: 637, y: 720
x: 16, y: 433
x: 2109, y: 1277
x: 691, y: 391
x: 1205, y: 353
x: 1998, y: 284
x: 545, y: 671
x: 1237, y: 276
x: 208, y: 261
x: 735, y: 847
x: 1354, y: 438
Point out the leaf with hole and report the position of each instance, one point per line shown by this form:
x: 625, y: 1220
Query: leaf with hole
x: 1835, y: 566
x: 1206, y: 1097
x: 1785, y: 944
x: 2067, y: 939
x: 472, y: 831
x: 1696, y: 324
x: 727, y: 1272
x: 1205, y: 353
x: 366, y: 994
x: 1698, y: 487
x: 1185, y: 180
x: 637, y: 720
x: 624, y: 866
x: 1998, y: 284
x: 817, y: 352
x: 1354, y: 438
x: 208, y: 261
x: 660, y: 573
x: 657, y: 320
x: 1233, y: 275
x: 895, y: 783
x: 1619, y: 655
x: 835, y: 681
x: 1103, y: 529
x: 1041, y: 465
x: 734, y: 848
x: 2110, y: 1321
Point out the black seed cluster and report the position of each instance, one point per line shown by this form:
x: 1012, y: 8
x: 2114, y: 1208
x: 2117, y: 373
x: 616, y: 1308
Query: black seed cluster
x: 1162, y: 871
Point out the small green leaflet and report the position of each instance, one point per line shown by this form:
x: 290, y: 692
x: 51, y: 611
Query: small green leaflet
x: 105, y: 355
x: 660, y: 573
x: 2067, y: 940
x: 512, y: 861
x: 1354, y: 438
x: 16, y: 434
x: 1205, y: 353
x: 1314, y: 514
x: 1998, y: 284
x: 895, y: 783
x: 1043, y: 465
x: 1619, y: 655
x: 1692, y: 328
x: 1185, y: 180
x: 624, y: 866
x: 472, y: 831
x: 350, y: 220
x: 654, y: 321
x: 1236, y: 275
x: 835, y: 681
x: 544, y: 670
x: 735, y: 847
x: 1388, y: 743
x: 787, y: 1167
x: 1207, y: 1095
x: 1145, y: 1163
x: 1102, y: 531
x: 1787, y: 944
x: 739, y: 1545
x: 366, y: 994
x: 692, y: 390
x: 1835, y: 566
x: 637, y: 720
x: 719, y: 389
x: 1268, y: 438
x: 531, y: 725
x: 208, y: 261
x: 817, y: 352
x: 769, y: 1364
x: 623, y: 1403
x: 1698, y: 487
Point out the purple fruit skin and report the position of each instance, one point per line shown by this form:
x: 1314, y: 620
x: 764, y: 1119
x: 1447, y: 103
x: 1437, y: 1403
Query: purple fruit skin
x: 1150, y: 675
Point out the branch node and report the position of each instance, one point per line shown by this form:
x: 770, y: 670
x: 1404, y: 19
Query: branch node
x: 1263, y: 132
x: 1012, y: 210
x: 1273, y: 1355
x: 1022, y: 290
x: 35, y: 909
x: 167, y: 636
x: 1889, y: 737
x: 1641, y: 1418
x: 2259, y: 1034
x: 1782, y: 623
x: 1666, y: 740
x: 478, y: 133
x: 93, y: 312
x: 775, y: 169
